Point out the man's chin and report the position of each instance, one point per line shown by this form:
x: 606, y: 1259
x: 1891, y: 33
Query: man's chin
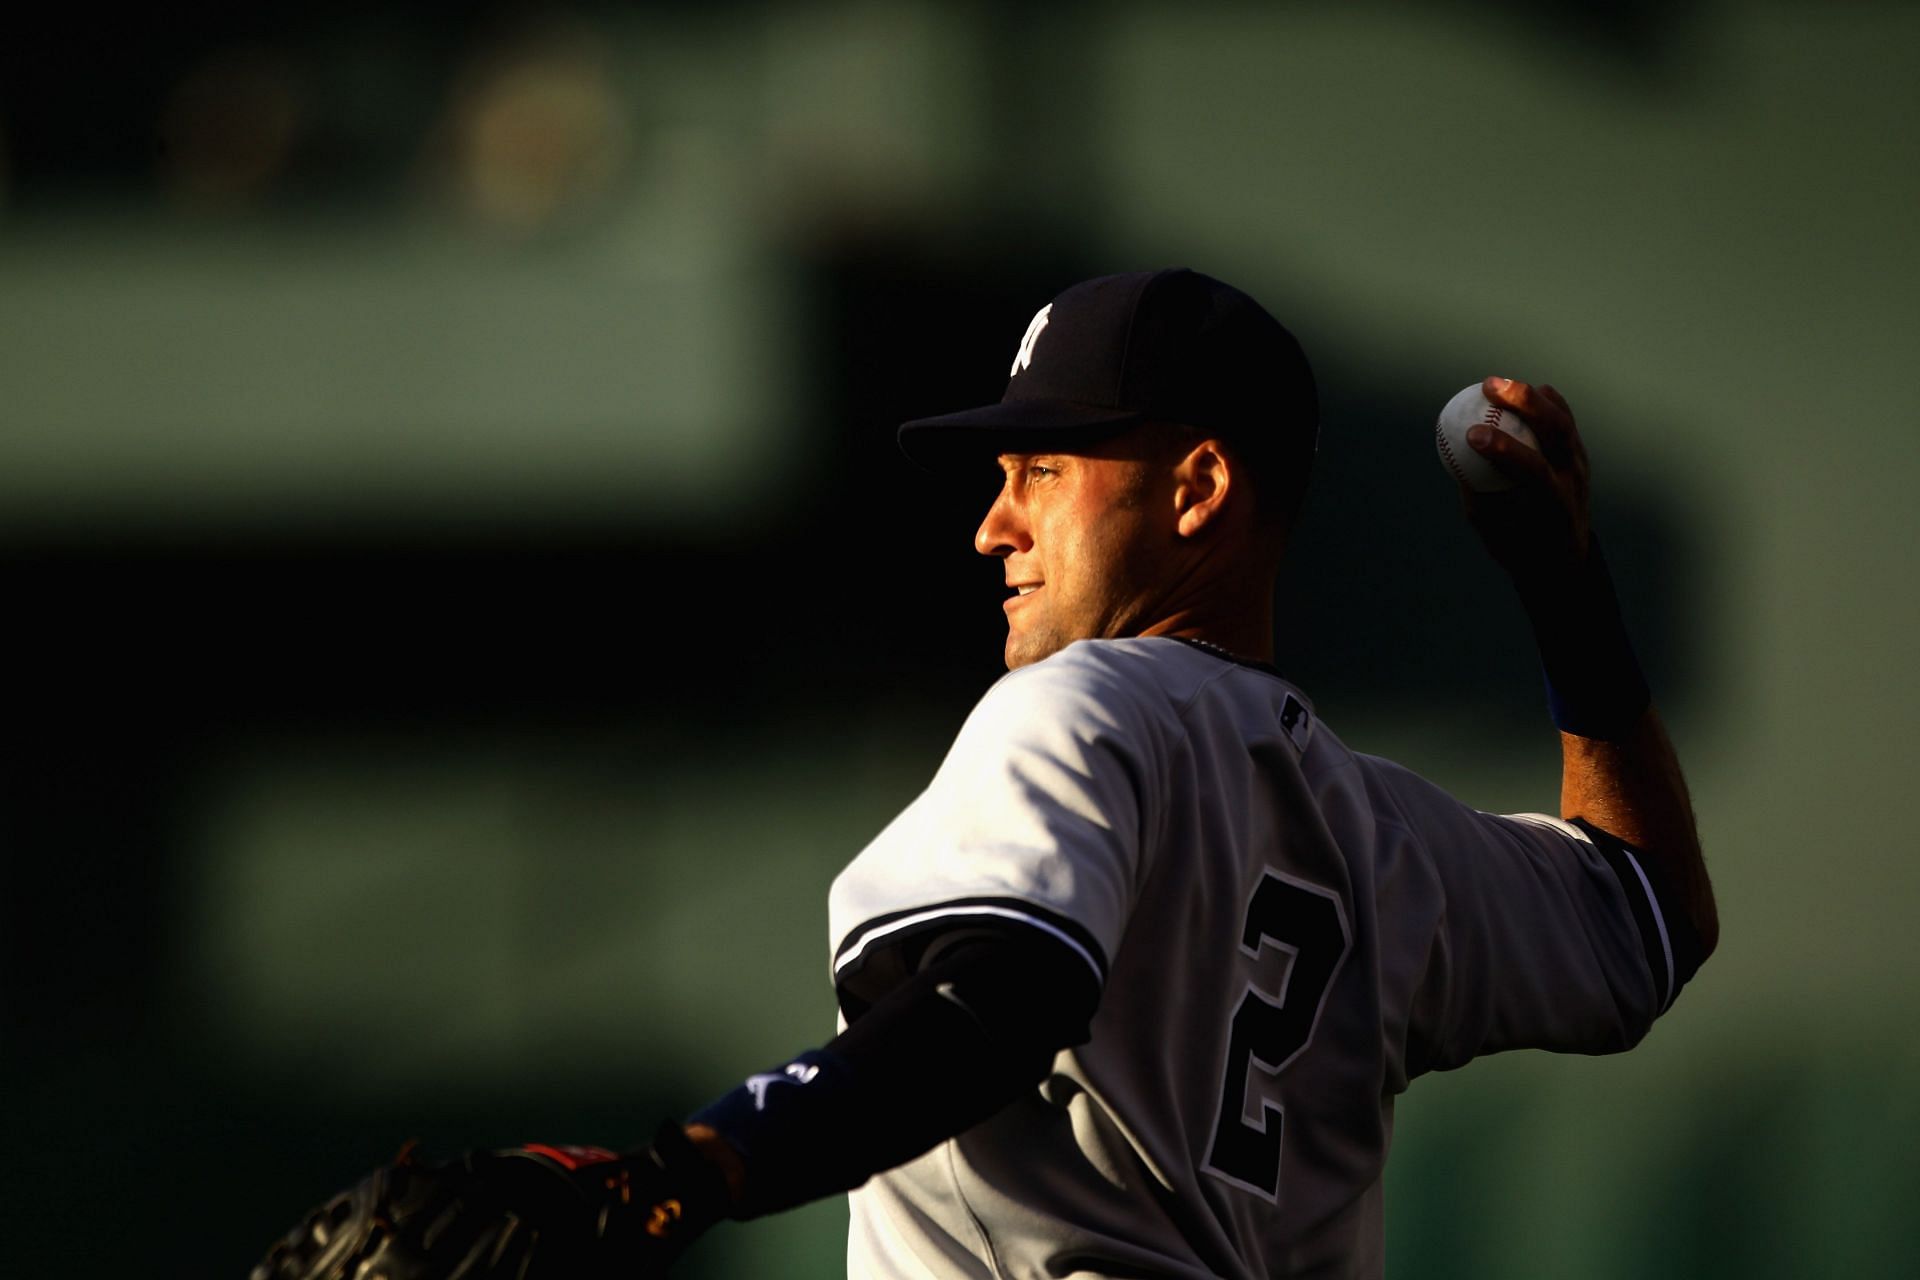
x: 1024, y: 649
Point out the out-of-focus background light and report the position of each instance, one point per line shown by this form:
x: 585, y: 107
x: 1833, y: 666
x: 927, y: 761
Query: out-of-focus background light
x: 465, y: 605
x: 228, y: 130
x: 535, y: 130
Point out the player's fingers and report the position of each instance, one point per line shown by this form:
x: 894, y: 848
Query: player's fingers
x: 1529, y: 401
x: 1520, y: 463
x: 1549, y: 416
x: 1571, y: 452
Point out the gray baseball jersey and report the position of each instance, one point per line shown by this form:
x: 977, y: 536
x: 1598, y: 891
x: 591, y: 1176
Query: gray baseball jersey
x: 1286, y: 933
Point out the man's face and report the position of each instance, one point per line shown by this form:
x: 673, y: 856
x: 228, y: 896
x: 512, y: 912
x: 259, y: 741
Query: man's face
x: 1084, y: 537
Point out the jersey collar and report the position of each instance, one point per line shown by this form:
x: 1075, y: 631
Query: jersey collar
x: 1214, y: 650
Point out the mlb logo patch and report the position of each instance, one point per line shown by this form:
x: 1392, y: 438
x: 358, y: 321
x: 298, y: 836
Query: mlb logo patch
x: 1297, y: 722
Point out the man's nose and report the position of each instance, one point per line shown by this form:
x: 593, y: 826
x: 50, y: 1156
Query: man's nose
x: 1004, y: 531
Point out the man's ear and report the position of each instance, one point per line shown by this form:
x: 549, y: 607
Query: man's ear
x: 1201, y: 482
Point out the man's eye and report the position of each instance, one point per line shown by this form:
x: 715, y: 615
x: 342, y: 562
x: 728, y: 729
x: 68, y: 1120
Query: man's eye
x: 1038, y: 470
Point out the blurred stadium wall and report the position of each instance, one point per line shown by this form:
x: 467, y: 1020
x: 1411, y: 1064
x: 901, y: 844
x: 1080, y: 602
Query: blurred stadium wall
x: 465, y: 606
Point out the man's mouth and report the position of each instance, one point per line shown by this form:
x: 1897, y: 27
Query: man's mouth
x: 1025, y: 588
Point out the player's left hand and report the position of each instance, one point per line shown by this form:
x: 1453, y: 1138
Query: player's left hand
x: 528, y: 1213
x: 1541, y: 526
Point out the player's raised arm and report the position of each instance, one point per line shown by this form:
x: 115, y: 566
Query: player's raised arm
x: 1620, y: 775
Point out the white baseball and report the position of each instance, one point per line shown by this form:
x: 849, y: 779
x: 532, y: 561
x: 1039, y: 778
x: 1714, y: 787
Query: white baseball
x: 1470, y: 408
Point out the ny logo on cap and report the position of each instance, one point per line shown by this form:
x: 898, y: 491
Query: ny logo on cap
x: 1024, y: 357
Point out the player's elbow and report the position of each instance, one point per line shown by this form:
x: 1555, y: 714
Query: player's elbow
x: 1685, y: 868
x: 1707, y: 924
x: 1700, y: 912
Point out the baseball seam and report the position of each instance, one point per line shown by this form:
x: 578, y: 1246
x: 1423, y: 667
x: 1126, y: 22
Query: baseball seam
x: 1492, y: 419
x: 1446, y: 452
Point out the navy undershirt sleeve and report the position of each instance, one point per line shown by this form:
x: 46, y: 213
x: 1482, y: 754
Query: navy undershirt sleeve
x: 1674, y: 948
x: 947, y: 1047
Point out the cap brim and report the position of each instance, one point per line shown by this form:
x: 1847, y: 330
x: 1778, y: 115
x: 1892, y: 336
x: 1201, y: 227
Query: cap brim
x: 1016, y: 426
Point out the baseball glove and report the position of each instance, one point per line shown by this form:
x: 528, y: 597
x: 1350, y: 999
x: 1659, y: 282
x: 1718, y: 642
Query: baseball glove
x: 529, y: 1213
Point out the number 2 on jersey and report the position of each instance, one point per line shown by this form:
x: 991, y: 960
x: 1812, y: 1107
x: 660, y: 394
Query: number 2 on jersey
x: 1269, y: 1031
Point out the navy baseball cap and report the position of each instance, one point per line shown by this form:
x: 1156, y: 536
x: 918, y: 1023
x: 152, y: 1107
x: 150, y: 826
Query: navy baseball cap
x: 1109, y: 353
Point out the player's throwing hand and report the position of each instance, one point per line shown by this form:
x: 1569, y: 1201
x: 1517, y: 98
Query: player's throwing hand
x: 1540, y: 527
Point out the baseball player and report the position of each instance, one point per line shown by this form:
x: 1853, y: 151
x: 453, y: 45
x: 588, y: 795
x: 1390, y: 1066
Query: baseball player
x: 1131, y: 989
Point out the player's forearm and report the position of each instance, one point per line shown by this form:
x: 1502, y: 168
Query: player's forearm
x: 1619, y: 770
x: 939, y: 1054
x: 1632, y: 787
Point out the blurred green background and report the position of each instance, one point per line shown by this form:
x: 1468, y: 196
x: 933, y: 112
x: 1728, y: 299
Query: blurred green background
x: 465, y: 605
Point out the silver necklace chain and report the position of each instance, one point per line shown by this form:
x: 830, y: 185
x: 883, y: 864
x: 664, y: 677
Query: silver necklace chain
x: 1228, y: 654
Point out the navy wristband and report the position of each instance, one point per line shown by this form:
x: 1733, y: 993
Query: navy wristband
x: 1593, y: 712
x: 1595, y: 688
x: 788, y: 1125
